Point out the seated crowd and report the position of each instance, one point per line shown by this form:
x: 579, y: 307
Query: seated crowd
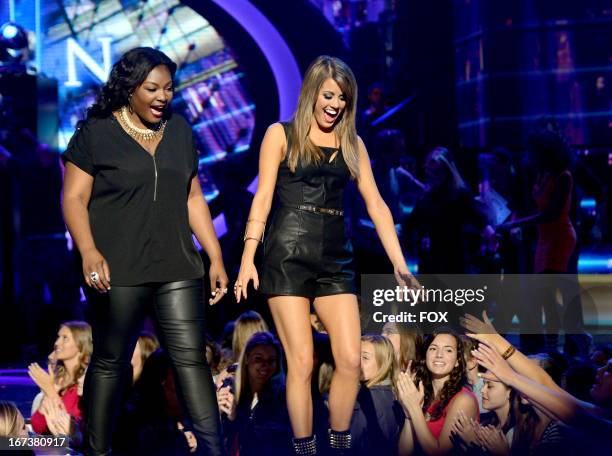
x: 439, y: 393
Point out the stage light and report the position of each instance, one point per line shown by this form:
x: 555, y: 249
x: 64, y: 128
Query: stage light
x: 13, y: 42
x: 9, y: 31
x: 13, y: 36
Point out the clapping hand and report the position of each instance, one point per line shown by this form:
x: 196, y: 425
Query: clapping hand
x: 57, y: 418
x: 410, y: 396
x: 492, y: 440
x: 465, y: 428
x: 45, y: 380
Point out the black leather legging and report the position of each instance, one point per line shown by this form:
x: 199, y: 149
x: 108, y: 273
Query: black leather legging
x: 116, y: 321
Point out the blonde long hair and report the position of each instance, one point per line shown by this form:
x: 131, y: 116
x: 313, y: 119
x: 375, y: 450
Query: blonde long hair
x: 241, y: 383
x: 11, y: 420
x: 81, y: 333
x: 302, y: 150
x: 148, y: 344
x: 247, y: 324
x: 385, y: 359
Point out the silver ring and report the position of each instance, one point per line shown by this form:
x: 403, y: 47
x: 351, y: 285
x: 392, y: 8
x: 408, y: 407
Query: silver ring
x: 224, y: 291
x: 94, y: 276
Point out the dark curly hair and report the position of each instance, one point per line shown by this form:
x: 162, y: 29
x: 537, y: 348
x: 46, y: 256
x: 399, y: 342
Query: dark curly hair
x: 452, y: 386
x: 127, y: 74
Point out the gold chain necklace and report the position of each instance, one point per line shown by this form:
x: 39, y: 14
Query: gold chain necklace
x: 143, y: 134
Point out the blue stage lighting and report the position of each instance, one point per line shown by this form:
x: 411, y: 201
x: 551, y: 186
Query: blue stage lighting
x: 9, y: 31
x: 13, y: 36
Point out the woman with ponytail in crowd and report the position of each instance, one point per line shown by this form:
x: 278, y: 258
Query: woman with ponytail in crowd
x: 497, y: 425
x: 61, y: 385
x: 378, y: 418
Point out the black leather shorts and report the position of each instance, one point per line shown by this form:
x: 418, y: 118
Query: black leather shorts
x: 307, y: 254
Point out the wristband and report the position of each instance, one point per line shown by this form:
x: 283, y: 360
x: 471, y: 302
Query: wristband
x: 509, y: 352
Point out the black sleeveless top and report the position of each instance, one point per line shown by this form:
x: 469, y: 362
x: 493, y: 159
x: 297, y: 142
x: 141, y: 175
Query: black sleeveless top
x: 315, y: 184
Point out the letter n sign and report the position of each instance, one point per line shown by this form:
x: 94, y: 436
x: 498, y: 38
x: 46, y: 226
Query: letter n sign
x: 74, y: 51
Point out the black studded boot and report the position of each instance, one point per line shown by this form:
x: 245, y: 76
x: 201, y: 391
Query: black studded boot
x: 340, y: 442
x: 306, y: 446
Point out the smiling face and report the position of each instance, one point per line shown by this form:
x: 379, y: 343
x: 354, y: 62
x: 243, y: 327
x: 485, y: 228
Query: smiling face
x: 65, y: 346
x: 152, y: 97
x: 262, y: 363
x: 329, y: 106
x: 441, y: 356
x: 369, y: 366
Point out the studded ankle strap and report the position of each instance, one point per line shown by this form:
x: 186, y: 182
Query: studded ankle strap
x: 306, y: 446
x: 340, y: 440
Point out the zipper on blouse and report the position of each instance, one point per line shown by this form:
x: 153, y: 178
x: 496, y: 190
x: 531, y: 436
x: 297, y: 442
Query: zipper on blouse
x: 155, y: 185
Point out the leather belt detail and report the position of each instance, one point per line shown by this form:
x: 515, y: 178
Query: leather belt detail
x: 318, y: 210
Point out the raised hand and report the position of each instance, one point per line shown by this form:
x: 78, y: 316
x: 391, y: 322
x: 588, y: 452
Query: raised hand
x: 480, y: 330
x: 45, y: 380
x: 227, y: 403
x: 498, y: 367
x: 410, y: 397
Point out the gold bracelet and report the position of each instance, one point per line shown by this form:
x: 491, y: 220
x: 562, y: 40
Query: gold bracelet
x: 509, y: 352
x: 246, y: 236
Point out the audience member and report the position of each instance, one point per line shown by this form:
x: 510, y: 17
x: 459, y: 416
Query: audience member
x: 12, y: 423
x: 407, y: 343
x: 433, y: 406
x: 378, y: 418
x: 146, y: 345
x: 447, y: 220
x: 59, y: 412
x: 254, y: 410
x: 475, y: 381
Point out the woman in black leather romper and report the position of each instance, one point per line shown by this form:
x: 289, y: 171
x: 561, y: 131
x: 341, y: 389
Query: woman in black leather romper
x: 307, y: 256
x: 307, y: 253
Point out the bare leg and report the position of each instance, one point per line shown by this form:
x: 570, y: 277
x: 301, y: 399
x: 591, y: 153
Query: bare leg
x: 292, y: 319
x: 340, y: 316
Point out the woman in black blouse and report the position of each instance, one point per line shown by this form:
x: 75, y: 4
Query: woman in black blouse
x: 131, y: 202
